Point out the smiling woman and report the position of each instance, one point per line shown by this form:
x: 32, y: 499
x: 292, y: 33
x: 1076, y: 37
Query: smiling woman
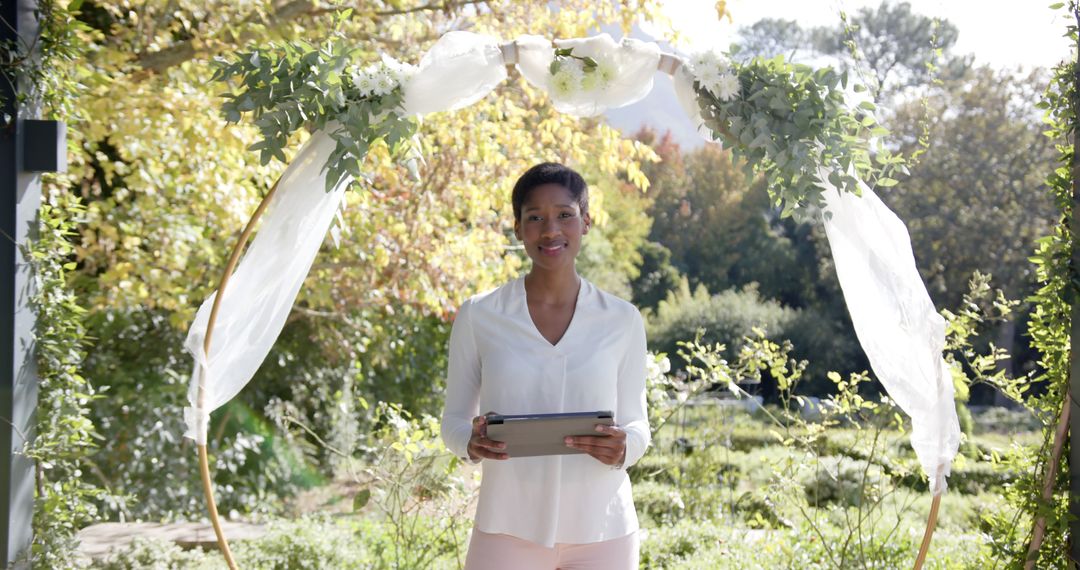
x: 550, y: 342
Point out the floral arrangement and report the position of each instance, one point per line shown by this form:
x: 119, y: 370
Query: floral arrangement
x: 792, y: 123
x: 713, y: 73
x: 572, y: 74
x: 380, y: 79
x: 292, y: 85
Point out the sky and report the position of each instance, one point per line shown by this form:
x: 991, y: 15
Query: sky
x: 1003, y: 33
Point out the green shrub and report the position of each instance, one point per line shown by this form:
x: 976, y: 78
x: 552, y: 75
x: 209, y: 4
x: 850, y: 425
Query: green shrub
x: 143, y: 554
x: 1000, y: 419
x: 757, y: 510
x: 726, y: 318
x: 673, y: 546
x: 305, y: 543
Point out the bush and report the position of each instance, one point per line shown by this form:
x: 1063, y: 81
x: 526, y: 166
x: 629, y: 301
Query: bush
x: 726, y: 318
x: 143, y: 460
x: 998, y: 419
x: 673, y: 546
x: 143, y: 554
x: 306, y: 543
x: 827, y: 342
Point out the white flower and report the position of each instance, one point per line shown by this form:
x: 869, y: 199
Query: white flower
x: 723, y: 65
x: 573, y: 67
x: 565, y: 83
x: 605, y: 71
x: 705, y: 60
x: 727, y: 88
x: 707, y: 76
x: 384, y: 83
x: 397, y: 70
x: 590, y: 81
x: 364, y: 83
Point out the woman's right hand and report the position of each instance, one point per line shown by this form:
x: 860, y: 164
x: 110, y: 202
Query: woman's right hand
x: 480, y: 447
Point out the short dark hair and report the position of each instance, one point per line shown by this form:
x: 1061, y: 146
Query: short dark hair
x: 550, y: 173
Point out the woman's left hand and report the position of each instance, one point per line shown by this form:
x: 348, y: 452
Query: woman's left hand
x: 609, y: 449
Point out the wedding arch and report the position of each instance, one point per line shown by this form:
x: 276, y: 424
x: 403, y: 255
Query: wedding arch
x: 801, y: 128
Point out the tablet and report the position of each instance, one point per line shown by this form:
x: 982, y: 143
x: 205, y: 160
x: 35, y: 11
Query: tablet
x: 530, y: 435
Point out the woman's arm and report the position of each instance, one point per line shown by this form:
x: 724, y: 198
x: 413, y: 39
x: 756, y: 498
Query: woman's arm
x: 462, y: 386
x: 632, y: 414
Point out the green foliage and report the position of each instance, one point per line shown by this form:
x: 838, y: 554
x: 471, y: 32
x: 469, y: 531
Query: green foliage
x: 726, y: 317
x: 303, y: 543
x: 288, y: 85
x: 656, y: 275
x: 789, y: 121
x: 610, y: 256
x: 65, y: 439
x: 1049, y: 328
x: 410, y: 478
x: 897, y: 47
x: 143, y: 462
x: 159, y: 555
x: 843, y: 481
x: 43, y: 66
x: 985, y: 134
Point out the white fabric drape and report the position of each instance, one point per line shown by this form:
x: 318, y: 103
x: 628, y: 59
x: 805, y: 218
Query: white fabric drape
x: 459, y: 70
x: 683, y: 82
x: 895, y: 320
x: 262, y: 290
x: 896, y: 323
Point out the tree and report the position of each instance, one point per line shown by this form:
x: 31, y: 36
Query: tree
x: 718, y: 223
x: 717, y: 226
x: 892, y: 43
x: 977, y: 199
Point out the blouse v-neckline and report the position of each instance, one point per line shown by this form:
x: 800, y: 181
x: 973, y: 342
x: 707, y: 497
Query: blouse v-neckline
x: 532, y: 324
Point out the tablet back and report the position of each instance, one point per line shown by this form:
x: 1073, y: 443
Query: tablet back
x: 542, y: 434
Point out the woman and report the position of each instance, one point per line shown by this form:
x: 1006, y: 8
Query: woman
x: 550, y: 342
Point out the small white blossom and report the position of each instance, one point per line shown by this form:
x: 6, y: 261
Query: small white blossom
x: 384, y: 83
x: 574, y: 68
x: 712, y: 72
x: 705, y: 60
x: 708, y: 76
x: 605, y: 72
x: 564, y: 83
x: 364, y: 83
x: 399, y: 71
x: 727, y: 88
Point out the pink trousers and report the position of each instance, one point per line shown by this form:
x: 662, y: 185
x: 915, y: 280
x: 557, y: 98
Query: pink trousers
x: 502, y: 551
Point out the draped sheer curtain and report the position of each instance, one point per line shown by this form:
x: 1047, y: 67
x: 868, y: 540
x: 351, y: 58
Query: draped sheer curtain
x: 894, y: 319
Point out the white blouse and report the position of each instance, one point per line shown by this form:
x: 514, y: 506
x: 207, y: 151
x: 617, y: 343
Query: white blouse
x: 499, y: 362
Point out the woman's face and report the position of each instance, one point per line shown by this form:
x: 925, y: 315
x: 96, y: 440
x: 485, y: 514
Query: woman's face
x: 551, y: 226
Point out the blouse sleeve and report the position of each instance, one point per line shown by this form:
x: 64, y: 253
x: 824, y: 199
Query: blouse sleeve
x: 632, y: 414
x: 462, y: 386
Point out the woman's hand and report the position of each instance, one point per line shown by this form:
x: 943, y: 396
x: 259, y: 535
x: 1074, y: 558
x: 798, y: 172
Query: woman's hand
x: 608, y: 449
x: 480, y: 447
